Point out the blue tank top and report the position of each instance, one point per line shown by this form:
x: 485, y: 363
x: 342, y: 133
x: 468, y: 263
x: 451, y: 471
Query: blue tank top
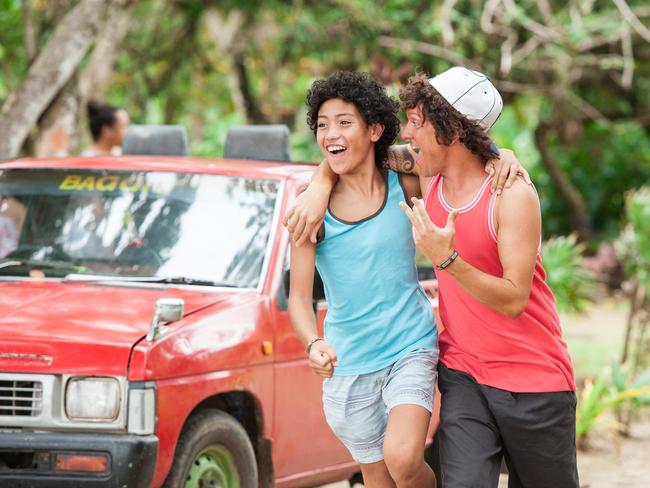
x: 377, y: 310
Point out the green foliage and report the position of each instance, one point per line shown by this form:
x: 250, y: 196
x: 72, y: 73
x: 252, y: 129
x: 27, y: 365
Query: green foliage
x: 170, y: 70
x: 304, y: 148
x: 210, y: 142
x: 611, y: 393
x: 602, y: 164
x: 592, y: 404
x: 572, y: 284
x: 633, y: 246
x: 631, y: 392
x: 13, y: 63
x: 12, y: 57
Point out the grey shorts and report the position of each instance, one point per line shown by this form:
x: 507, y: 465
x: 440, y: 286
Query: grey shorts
x: 480, y: 425
x: 357, y: 407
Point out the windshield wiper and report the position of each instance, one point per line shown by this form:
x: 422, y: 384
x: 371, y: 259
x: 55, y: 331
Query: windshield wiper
x: 184, y: 280
x: 172, y: 280
x: 34, y: 263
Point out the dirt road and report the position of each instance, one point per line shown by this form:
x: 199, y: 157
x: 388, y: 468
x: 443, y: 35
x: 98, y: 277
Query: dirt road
x: 609, y: 463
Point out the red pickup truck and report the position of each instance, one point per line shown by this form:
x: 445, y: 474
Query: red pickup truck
x: 145, y: 335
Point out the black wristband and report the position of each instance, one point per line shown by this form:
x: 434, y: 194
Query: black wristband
x: 452, y: 257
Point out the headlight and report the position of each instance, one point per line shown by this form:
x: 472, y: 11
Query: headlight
x: 92, y: 399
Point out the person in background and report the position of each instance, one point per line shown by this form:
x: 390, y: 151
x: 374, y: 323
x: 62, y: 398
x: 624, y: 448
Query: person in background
x: 12, y: 217
x: 108, y: 126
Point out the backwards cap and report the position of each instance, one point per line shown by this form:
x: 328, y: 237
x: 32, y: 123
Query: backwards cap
x: 471, y: 93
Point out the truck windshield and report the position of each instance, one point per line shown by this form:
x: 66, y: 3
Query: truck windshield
x: 203, y: 228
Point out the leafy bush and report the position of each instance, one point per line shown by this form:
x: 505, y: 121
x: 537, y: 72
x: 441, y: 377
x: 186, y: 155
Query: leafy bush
x: 571, y: 283
x: 602, y: 162
x: 603, y: 165
x: 633, y: 246
x: 634, y: 394
x: 614, y: 392
x: 590, y: 410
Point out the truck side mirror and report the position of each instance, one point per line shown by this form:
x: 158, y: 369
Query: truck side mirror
x: 165, y: 310
x: 169, y: 309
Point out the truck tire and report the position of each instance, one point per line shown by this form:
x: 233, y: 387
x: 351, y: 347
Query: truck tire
x: 213, y: 451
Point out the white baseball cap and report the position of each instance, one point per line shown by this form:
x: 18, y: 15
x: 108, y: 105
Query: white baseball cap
x: 471, y: 93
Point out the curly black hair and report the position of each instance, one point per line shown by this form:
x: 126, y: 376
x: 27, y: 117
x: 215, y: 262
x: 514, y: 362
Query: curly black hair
x: 446, y: 120
x: 367, y: 95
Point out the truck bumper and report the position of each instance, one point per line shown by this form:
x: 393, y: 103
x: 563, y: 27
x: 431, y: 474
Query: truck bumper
x: 58, y: 459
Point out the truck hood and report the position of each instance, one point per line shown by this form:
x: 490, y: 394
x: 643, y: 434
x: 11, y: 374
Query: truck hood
x: 57, y: 327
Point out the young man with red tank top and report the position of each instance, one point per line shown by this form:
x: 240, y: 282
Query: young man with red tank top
x: 505, y: 374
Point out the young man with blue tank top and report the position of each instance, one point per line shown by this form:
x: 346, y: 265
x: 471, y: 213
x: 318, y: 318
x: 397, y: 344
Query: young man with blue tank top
x: 380, y: 352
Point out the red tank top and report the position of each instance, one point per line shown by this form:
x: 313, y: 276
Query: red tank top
x: 526, y: 354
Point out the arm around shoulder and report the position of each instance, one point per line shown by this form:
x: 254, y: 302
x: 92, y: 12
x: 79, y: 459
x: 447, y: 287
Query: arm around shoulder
x: 324, y: 175
x: 411, y: 186
x: 305, y: 216
x: 401, y: 158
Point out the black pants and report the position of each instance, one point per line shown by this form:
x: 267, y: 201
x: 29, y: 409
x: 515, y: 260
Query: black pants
x: 479, y: 425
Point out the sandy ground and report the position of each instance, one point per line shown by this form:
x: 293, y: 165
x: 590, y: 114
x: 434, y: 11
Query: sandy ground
x: 617, y: 462
x: 609, y: 463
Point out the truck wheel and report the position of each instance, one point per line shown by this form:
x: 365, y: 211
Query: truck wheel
x: 213, y: 451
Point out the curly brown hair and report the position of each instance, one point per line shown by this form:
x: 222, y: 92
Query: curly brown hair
x: 369, y: 97
x: 446, y: 120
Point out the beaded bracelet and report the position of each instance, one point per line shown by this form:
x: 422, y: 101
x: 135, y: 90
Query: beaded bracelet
x: 311, y: 343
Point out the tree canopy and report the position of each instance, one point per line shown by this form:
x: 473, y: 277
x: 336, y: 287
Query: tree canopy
x: 575, y: 76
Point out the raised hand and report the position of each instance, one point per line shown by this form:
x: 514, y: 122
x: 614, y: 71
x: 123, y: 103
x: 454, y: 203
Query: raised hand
x: 437, y: 243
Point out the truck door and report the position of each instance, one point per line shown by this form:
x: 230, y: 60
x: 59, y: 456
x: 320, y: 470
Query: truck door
x: 302, y: 440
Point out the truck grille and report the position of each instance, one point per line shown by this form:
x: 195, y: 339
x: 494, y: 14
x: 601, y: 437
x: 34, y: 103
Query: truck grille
x: 21, y: 398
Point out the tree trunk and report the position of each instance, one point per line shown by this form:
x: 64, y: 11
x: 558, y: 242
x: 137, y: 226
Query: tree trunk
x: 59, y: 131
x: 226, y: 32
x: 641, y: 344
x: 51, y: 70
x: 59, y: 126
x: 95, y: 77
x: 253, y: 113
x: 28, y: 28
x: 579, y: 213
x: 636, y: 300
